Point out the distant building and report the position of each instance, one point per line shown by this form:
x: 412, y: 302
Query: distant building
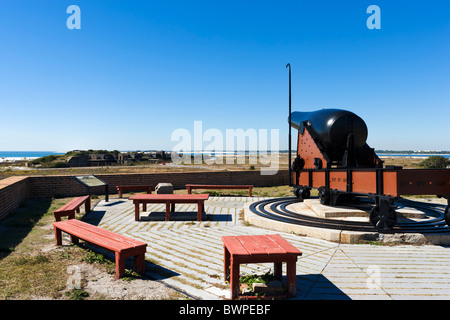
x: 83, y: 159
x: 129, y: 157
x: 92, y: 160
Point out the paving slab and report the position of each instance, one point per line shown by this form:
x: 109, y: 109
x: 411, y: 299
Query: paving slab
x: 188, y: 255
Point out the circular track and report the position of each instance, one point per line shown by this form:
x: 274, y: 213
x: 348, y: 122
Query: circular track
x: 276, y: 209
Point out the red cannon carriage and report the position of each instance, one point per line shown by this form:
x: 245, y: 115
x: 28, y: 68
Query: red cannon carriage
x: 333, y: 157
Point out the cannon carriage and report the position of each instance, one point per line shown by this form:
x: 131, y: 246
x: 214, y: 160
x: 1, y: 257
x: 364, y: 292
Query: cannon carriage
x: 334, y: 158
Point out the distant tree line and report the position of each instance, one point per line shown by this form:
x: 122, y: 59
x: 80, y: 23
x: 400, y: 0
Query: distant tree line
x: 411, y: 152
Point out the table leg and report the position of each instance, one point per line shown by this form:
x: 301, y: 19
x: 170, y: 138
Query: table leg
x: 167, y: 217
x: 136, y: 211
x: 144, y: 206
x: 278, y: 270
x: 199, y: 210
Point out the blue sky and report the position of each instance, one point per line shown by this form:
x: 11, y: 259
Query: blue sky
x: 138, y: 70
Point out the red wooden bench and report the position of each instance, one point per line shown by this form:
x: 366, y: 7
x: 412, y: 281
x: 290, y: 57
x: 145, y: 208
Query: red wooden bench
x: 259, y: 249
x: 123, y: 188
x: 190, y: 187
x: 73, y: 206
x: 123, y: 247
x: 169, y: 200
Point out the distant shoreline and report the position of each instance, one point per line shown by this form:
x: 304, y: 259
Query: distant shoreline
x: 14, y: 156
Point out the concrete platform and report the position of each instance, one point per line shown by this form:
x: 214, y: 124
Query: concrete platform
x: 188, y: 255
x: 312, y: 207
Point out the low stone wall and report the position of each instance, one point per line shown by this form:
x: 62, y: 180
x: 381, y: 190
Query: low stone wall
x: 14, y: 190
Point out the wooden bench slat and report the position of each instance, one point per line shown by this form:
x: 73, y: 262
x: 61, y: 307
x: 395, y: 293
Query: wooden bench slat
x: 283, y: 243
x: 106, y: 233
x: 73, y: 204
x: 98, y: 236
x: 234, y: 245
x: 269, y: 245
x: 132, y: 187
x: 230, y: 186
x: 251, y: 245
x: 93, y: 238
x: 191, y: 186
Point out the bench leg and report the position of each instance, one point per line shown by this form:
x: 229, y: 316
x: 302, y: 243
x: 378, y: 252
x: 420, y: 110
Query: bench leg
x: 226, y: 264
x: 291, y: 278
x: 120, y: 265
x: 250, y: 191
x: 58, y: 236
x: 189, y: 190
x: 234, y: 279
x: 139, y: 263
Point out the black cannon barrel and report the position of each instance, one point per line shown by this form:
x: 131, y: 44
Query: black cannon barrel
x: 332, y: 127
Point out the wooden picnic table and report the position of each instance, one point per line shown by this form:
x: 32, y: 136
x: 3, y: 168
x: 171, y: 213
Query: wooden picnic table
x: 259, y: 249
x: 169, y: 200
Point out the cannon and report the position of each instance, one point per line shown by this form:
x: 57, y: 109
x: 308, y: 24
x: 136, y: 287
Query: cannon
x: 339, y: 137
x: 333, y: 157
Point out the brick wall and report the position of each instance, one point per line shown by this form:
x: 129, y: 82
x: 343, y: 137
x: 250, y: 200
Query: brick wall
x: 14, y: 190
x: 49, y: 186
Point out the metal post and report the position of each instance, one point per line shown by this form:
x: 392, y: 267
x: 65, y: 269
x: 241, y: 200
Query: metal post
x: 290, y: 173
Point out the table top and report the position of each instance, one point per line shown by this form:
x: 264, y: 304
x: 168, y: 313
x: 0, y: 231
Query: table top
x: 156, y: 196
x: 272, y: 244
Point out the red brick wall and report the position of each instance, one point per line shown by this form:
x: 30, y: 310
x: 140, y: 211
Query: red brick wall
x: 49, y: 186
x: 14, y: 190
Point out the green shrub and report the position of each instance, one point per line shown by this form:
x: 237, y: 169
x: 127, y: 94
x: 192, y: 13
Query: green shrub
x: 435, y: 162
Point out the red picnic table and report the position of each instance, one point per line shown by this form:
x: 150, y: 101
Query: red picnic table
x: 169, y: 200
x: 259, y: 249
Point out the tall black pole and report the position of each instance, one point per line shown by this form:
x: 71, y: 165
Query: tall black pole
x: 290, y: 175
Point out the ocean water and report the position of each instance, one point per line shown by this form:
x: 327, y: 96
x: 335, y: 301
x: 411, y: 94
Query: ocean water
x: 10, y: 155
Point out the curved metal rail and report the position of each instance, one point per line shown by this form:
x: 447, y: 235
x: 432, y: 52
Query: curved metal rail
x: 279, y: 212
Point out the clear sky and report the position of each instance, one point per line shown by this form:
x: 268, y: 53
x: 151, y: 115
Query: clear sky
x: 138, y: 70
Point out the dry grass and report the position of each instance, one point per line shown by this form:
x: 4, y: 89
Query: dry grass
x: 33, y: 267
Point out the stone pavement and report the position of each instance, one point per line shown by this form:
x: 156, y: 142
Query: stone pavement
x: 188, y: 255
